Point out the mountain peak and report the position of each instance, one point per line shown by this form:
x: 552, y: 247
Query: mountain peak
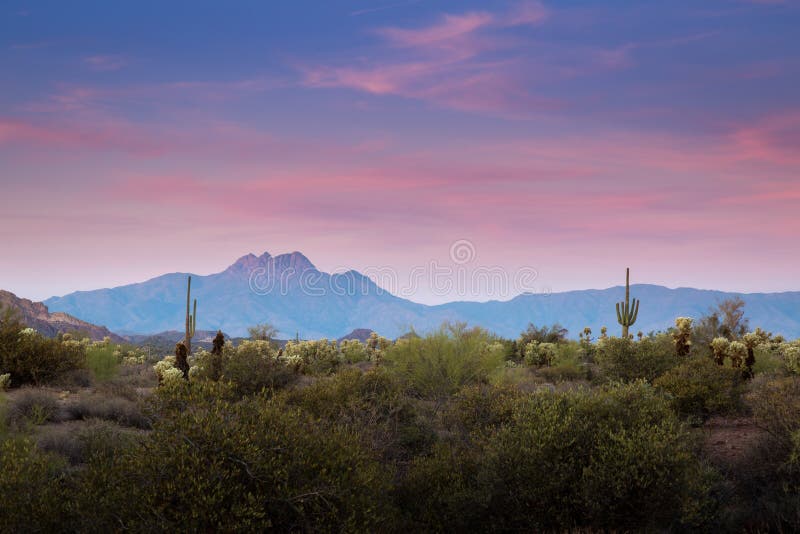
x: 245, y: 264
x: 294, y: 260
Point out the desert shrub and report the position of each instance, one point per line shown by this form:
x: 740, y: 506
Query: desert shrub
x: 314, y: 357
x: 251, y: 465
x: 109, y: 408
x: 567, y: 364
x: 626, y: 360
x: 31, y: 489
x: 373, y: 406
x: 32, y: 405
x: 77, y: 444
x: 540, y: 353
x: 481, y: 407
x: 775, y: 404
x: 353, y: 351
x: 139, y: 375
x: 31, y: 358
x: 699, y: 388
x: 768, y: 360
x: 102, y: 360
x: 544, y: 334
x: 251, y: 369
x: 443, y: 362
x: 768, y: 479
x: 615, y: 459
x: 73, y: 380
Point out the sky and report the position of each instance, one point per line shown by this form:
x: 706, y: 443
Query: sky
x: 565, y: 140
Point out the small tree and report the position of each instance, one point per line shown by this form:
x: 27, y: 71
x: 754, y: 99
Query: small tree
x: 262, y: 332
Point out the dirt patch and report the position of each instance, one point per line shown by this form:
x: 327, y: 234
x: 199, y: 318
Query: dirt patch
x: 729, y: 439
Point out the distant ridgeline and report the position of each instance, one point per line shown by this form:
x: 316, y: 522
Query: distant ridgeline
x: 290, y: 293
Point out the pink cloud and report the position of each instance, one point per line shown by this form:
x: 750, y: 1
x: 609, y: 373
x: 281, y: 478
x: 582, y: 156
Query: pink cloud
x: 452, y: 27
x: 775, y: 138
x: 198, y: 139
x: 454, y: 63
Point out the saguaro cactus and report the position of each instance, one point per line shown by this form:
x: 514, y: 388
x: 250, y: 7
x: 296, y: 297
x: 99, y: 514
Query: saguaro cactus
x: 191, y: 323
x: 627, y: 313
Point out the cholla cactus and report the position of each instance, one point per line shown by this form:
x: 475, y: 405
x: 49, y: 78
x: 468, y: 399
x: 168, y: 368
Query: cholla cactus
x: 171, y: 377
x: 194, y: 372
x: 683, y: 336
x: 540, y: 353
x: 162, y: 367
x: 5, y: 381
x: 293, y: 361
x: 737, y: 352
x: 376, y: 346
x: 751, y: 341
x: 604, y: 332
x: 791, y: 356
x: 719, y: 346
x: 25, y: 332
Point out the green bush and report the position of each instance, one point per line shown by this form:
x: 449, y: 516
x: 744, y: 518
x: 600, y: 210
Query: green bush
x: 768, y: 479
x: 616, y: 459
x: 102, y: 360
x: 372, y: 406
x: 478, y: 408
x: 538, y: 354
x: 441, y: 363
x: 252, y: 465
x: 31, y: 358
x: 353, y: 351
x: 313, y: 357
x: 567, y: 364
x: 775, y: 404
x: 251, y: 367
x: 32, y: 492
x: 700, y: 388
x: 627, y: 360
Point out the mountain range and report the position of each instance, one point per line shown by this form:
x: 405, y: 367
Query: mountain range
x: 37, y: 315
x: 288, y: 292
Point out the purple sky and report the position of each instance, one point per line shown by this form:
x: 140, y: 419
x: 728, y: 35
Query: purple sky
x: 575, y: 138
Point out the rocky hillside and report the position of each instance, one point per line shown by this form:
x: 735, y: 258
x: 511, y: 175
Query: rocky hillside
x: 37, y: 315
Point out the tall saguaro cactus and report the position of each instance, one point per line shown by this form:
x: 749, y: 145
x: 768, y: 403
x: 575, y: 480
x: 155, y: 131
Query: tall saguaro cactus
x: 627, y: 311
x: 191, y: 318
x: 184, y: 349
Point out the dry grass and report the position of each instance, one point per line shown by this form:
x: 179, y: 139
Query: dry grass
x: 32, y: 405
x: 99, y: 405
x: 78, y: 441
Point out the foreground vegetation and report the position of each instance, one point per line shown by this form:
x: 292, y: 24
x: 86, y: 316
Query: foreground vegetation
x: 458, y: 430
